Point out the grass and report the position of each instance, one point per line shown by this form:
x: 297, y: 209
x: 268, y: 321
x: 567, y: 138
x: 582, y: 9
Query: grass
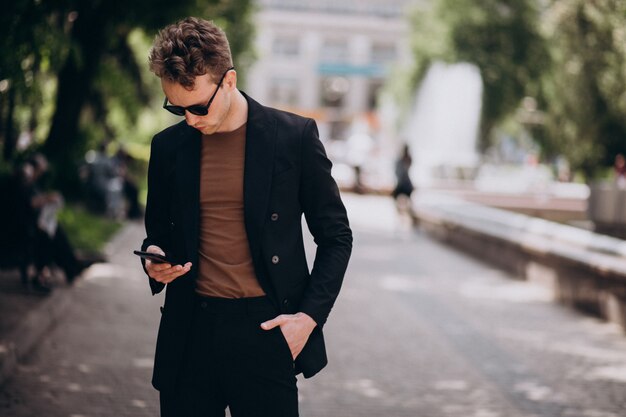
x: 87, y: 232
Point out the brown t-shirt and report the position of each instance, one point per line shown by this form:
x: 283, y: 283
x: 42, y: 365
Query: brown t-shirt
x: 225, y: 269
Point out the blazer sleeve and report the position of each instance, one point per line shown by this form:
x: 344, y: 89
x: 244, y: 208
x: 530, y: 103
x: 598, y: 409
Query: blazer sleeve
x: 327, y: 221
x: 157, y: 219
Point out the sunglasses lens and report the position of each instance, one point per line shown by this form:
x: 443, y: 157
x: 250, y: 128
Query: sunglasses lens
x: 198, y: 110
x: 177, y: 110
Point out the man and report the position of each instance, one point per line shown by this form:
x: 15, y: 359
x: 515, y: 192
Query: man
x: 226, y: 192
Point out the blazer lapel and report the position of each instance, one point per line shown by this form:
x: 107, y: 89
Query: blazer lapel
x: 259, y: 163
x: 188, y: 182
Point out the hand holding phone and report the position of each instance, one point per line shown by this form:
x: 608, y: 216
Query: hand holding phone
x: 160, y: 267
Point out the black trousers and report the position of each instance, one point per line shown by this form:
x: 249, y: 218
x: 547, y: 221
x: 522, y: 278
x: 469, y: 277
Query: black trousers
x: 232, y: 362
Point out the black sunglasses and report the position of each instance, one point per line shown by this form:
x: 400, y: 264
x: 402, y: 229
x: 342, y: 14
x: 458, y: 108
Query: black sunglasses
x: 197, y: 109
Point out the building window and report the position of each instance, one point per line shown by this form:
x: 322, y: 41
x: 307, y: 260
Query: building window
x: 334, y: 51
x: 284, y: 92
x: 384, y: 9
x: 286, y: 47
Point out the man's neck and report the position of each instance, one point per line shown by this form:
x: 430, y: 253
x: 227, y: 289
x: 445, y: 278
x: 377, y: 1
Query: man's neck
x: 238, y: 113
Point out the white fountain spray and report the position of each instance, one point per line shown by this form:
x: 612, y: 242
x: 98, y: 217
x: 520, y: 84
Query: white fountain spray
x: 443, y: 127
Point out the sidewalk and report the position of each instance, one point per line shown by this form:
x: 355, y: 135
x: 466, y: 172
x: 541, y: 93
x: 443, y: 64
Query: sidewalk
x: 95, y: 358
x: 26, y: 316
x: 418, y: 330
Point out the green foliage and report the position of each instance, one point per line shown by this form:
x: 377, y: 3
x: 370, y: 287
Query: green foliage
x: 34, y: 43
x: 585, y: 89
x: 235, y: 17
x: 500, y: 37
x: 87, y: 232
x: 570, y: 55
x: 75, y: 72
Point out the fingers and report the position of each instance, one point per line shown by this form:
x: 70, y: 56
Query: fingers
x: 270, y: 324
x: 170, y: 274
x: 166, y: 273
x: 296, y: 329
x: 293, y: 340
x: 155, y: 249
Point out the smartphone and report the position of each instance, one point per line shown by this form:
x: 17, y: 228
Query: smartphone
x: 154, y: 257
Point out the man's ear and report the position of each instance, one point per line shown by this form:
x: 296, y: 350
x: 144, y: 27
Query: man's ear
x: 231, y: 79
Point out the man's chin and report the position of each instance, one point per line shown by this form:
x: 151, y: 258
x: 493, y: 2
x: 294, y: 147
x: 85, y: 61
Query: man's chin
x: 206, y: 130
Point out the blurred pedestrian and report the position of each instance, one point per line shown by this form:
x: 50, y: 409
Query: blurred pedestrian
x: 123, y: 162
x: 17, y: 239
x: 404, y: 186
x: 52, y: 245
x: 226, y: 193
x: 359, y: 147
x: 104, y: 186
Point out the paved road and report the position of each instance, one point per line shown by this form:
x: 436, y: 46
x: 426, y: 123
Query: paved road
x: 420, y: 330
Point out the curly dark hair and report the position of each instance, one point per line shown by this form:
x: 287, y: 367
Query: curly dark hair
x: 189, y: 48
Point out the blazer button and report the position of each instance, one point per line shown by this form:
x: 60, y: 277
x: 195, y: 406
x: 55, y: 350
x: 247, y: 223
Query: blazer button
x: 275, y: 259
x: 285, y: 302
x: 274, y: 217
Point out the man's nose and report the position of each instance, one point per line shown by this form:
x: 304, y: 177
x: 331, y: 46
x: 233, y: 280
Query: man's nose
x: 190, y: 118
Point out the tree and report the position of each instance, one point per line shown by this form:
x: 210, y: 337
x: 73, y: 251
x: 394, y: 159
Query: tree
x: 585, y: 89
x: 98, y: 29
x: 94, y: 62
x: 570, y: 55
x: 500, y: 37
x: 32, y: 39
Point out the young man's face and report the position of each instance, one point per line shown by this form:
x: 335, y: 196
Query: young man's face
x: 203, y: 90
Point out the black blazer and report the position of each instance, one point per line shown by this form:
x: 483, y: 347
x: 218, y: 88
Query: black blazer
x: 286, y: 174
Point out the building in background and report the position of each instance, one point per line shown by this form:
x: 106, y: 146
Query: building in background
x: 328, y: 59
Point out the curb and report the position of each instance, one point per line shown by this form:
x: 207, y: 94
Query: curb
x: 25, y: 336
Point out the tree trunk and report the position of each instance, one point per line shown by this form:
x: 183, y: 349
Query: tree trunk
x: 2, y: 124
x: 74, y: 82
x: 484, y: 135
x: 9, y: 127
